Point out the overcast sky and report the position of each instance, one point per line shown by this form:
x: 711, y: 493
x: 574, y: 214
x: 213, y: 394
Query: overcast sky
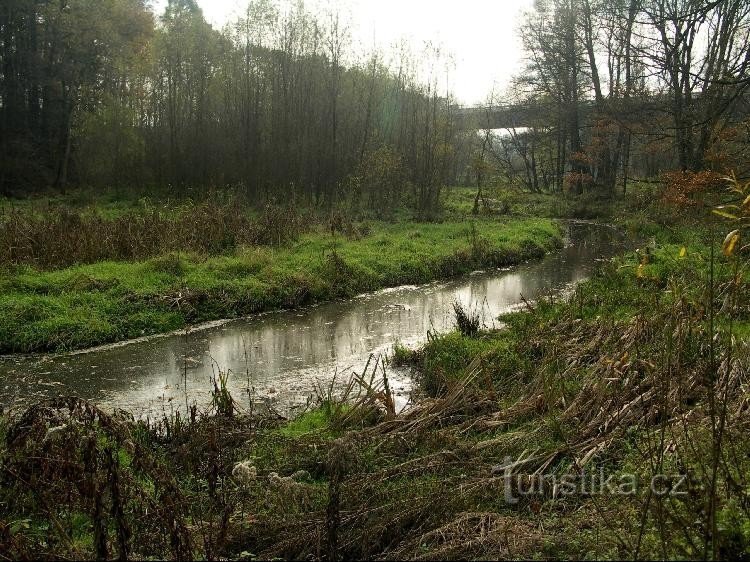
x: 481, y: 34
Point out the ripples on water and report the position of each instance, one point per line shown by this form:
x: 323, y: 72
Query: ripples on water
x: 283, y: 354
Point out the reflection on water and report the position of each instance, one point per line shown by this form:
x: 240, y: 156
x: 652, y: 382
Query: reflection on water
x: 282, y: 354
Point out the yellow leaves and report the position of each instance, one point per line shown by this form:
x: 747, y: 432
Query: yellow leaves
x: 736, y: 186
x: 724, y: 213
x: 740, y: 213
x: 683, y: 252
x: 640, y: 272
x: 730, y: 243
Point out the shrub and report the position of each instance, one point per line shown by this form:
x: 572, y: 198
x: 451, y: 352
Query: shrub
x: 685, y: 188
x: 55, y: 238
x: 467, y: 320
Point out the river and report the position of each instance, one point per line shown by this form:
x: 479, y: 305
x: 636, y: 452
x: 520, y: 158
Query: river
x: 284, y: 356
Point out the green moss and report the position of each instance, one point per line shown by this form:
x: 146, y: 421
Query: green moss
x: 317, y: 421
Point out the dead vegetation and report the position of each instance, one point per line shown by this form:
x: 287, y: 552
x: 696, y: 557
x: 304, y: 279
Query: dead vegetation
x: 471, y: 473
x: 58, y: 237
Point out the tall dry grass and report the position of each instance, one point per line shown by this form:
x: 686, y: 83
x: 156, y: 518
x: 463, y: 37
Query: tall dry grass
x: 61, y: 237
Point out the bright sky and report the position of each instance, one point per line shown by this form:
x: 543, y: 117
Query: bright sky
x: 480, y: 34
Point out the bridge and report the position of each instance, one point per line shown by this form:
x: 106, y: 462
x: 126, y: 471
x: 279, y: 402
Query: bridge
x: 510, y: 116
x: 528, y: 115
x: 499, y: 116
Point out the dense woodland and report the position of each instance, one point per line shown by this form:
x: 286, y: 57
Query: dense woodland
x: 108, y: 94
x: 281, y: 103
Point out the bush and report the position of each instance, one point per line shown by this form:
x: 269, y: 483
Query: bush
x: 685, y: 188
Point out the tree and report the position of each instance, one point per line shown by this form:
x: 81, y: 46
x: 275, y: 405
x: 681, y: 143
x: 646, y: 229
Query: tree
x: 703, y: 60
x: 60, y: 60
x: 103, y: 93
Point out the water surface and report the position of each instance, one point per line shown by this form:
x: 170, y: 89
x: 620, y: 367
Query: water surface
x: 284, y: 356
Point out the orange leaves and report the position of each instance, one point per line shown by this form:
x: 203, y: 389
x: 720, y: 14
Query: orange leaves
x: 581, y: 159
x: 683, y: 188
x: 576, y: 181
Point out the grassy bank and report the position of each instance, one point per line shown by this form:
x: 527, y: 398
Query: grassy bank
x: 86, y: 305
x: 512, y: 201
x: 636, y: 375
x: 641, y: 376
x: 639, y: 379
x: 87, y: 268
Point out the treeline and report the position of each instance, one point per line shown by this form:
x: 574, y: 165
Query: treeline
x: 105, y: 93
x: 627, y: 88
x: 281, y: 105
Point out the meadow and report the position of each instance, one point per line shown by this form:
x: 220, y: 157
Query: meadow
x: 144, y: 270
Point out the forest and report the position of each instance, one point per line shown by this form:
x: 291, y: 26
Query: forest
x: 269, y: 291
x: 281, y: 102
x: 278, y: 104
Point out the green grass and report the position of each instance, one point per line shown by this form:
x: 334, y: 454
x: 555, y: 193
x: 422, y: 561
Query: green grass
x: 672, y: 266
x: 524, y: 356
x: 315, y: 421
x: 446, y: 358
x: 513, y: 201
x: 106, y: 302
x: 105, y: 205
x: 405, y: 483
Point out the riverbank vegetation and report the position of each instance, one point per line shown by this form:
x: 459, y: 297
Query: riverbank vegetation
x: 157, y: 172
x: 611, y: 424
x: 90, y: 268
x: 153, y: 166
x: 187, y: 280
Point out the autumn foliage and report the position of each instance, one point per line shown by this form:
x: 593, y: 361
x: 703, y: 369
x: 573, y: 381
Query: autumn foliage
x: 685, y: 188
x: 578, y: 181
